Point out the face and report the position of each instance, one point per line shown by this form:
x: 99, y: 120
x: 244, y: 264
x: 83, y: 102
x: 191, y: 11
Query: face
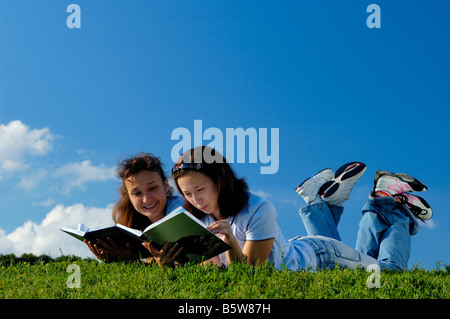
x: 201, y: 191
x: 147, y: 192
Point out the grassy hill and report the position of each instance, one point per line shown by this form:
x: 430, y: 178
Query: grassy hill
x: 45, y: 278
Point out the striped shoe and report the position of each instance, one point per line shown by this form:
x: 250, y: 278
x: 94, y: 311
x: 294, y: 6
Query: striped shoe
x: 397, y: 183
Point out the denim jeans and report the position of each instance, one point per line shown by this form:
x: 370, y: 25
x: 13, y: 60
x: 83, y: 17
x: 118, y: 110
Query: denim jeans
x: 331, y: 252
x: 384, y: 235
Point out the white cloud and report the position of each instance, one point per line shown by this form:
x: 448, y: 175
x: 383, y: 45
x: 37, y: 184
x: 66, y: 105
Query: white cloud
x: 78, y: 174
x: 73, y: 175
x: 17, y: 141
x: 47, y: 238
x: 32, y: 182
x: 49, y: 202
x: 18, y: 144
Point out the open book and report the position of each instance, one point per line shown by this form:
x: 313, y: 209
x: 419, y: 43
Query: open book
x: 179, y: 226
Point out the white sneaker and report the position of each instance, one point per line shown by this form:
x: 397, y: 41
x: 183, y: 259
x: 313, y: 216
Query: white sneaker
x: 336, y: 191
x: 416, y: 204
x: 397, y: 183
x: 309, y: 188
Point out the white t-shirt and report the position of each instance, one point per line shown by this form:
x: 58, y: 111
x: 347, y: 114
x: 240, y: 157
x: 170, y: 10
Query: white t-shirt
x: 258, y: 221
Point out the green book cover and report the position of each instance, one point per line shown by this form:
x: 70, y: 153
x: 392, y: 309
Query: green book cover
x: 190, y: 233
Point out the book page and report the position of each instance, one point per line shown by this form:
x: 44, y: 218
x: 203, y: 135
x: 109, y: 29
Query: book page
x: 136, y: 232
x: 74, y: 232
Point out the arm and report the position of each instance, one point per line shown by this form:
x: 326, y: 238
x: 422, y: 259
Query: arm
x: 223, y: 229
x: 256, y: 252
x: 260, y: 227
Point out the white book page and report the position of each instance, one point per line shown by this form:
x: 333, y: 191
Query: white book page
x: 131, y: 230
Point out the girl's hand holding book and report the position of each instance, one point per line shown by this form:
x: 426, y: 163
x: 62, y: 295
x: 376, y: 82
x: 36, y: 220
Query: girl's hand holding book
x: 167, y: 255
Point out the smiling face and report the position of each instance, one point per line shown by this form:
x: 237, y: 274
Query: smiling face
x: 147, y: 192
x: 201, y: 191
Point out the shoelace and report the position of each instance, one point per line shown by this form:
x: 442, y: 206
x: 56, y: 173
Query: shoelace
x: 416, y: 210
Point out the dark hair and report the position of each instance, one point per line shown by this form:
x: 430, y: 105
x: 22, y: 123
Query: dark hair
x: 233, y: 192
x: 124, y: 211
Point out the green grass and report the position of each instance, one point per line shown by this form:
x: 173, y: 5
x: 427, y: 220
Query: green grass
x: 47, y: 279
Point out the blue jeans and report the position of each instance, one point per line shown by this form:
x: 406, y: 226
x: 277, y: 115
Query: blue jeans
x: 384, y: 235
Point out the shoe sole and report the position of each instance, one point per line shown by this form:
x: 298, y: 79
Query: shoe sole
x: 414, y: 183
x: 318, y: 173
x: 308, y: 188
x: 345, y: 172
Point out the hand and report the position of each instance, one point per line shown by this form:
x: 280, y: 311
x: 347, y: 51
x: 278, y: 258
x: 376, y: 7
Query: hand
x: 167, y: 255
x: 213, y: 261
x: 97, y: 251
x: 111, y: 251
x: 222, y: 228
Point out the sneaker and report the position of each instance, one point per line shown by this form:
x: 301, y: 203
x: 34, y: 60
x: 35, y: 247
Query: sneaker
x: 309, y: 188
x: 417, y: 205
x: 397, y: 183
x: 336, y: 191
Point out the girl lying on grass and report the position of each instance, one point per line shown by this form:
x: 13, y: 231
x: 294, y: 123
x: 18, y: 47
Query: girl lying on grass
x: 145, y: 197
x: 249, y: 225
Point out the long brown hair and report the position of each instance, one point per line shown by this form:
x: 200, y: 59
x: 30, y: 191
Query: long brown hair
x: 124, y: 212
x: 233, y: 191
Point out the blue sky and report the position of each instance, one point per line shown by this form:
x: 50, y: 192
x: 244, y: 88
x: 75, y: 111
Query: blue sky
x: 74, y: 101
